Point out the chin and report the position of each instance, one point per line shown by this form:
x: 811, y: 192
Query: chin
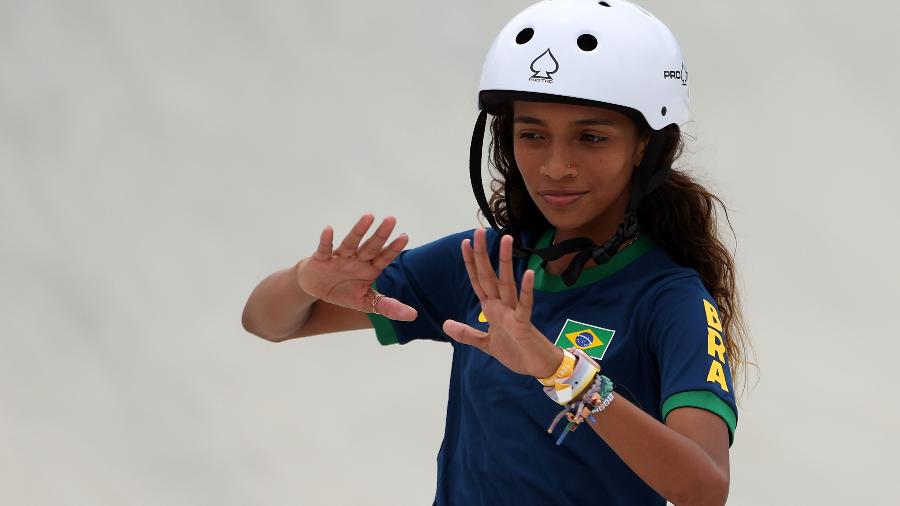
x: 564, y: 220
x: 583, y: 220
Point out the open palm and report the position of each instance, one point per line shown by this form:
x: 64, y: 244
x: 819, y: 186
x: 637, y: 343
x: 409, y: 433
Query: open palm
x: 511, y: 337
x: 344, y: 276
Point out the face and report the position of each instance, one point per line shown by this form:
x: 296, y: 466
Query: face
x: 576, y: 162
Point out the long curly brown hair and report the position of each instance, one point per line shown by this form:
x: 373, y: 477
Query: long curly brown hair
x: 681, y: 216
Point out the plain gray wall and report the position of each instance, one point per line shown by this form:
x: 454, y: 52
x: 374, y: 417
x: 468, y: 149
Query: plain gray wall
x: 159, y: 158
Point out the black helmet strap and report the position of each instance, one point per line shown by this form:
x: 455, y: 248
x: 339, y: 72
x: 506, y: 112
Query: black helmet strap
x: 475, y: 167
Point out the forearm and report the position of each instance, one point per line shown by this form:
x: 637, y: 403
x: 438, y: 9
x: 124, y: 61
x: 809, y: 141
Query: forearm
x: 277, y: 306
x: 669, y: 462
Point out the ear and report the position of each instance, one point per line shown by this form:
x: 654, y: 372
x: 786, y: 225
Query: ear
x: 639, y: 150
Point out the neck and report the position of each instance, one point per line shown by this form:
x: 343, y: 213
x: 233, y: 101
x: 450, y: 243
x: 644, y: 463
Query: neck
x: 600, y: 230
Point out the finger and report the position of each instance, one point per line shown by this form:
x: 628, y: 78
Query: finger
x: 388, y: 254
x: 469, y: 260
x: 372, y: 246
x: 394, y: 309
x: 323, y: 252
x: 486, y: 275
x: 351, y: 242
x: 526, y: 297
x: 507, y: 284
x: 462, y: 333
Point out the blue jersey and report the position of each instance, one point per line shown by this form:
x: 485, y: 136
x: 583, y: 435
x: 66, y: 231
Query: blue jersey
x: 650, y: 323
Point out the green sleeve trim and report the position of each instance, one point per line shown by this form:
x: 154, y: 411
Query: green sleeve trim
x: 384, y: 329
x: 703, y: 399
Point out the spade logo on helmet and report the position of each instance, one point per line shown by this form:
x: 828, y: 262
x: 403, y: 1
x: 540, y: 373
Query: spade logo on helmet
x: 544, y: 66
x: 677, y: 74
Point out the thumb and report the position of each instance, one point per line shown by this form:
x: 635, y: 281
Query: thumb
x: 465, y: 334
x: 392, y: 308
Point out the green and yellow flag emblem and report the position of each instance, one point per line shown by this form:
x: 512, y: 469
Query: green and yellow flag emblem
x: 591, y: 339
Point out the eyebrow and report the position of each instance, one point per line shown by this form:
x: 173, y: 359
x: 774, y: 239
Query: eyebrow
x: 581, y: 122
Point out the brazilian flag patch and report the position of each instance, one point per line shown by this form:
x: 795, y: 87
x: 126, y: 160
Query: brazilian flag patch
x: 591, y: 339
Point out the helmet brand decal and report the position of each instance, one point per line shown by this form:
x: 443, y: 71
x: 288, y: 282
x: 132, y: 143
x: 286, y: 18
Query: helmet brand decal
x: 677, y: 74
x: 544, y: 66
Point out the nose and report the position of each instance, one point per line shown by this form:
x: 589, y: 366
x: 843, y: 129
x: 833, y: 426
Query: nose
x: 559, y: 163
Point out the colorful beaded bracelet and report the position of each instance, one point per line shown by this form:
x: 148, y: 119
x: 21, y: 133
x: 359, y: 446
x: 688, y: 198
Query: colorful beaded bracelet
x: 596, y: 399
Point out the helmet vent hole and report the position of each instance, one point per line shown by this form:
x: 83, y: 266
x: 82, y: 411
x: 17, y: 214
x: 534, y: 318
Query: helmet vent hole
x: 587, y: 42
x: 664, y: 111
x: 524, y: 36
x: 604, y: 4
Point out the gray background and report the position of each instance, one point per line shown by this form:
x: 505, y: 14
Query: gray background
x: 157, y: 159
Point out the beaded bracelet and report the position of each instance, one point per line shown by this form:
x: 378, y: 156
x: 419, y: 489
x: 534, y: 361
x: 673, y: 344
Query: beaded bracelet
x: 596, y: 399
x: 601, y: 406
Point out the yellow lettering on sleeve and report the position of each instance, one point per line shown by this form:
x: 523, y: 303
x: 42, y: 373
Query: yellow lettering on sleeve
x: 715, y: 346
x: 717, y: 375
x: 712, y: 316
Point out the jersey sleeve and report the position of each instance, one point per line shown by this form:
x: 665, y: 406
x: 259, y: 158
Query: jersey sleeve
x: 431, y: 278
x: 686, y: 337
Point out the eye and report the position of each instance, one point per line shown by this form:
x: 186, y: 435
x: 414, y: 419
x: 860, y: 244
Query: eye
x: 593, y: 139
x: 531, y: 136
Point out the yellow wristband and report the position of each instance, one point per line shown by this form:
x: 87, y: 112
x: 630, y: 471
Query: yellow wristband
x: 563, y: 371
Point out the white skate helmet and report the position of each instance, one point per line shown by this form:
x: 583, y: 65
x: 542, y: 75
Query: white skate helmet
x: 611, y: 52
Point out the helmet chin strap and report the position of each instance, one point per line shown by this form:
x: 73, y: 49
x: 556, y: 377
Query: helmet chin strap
x: 646, y: 178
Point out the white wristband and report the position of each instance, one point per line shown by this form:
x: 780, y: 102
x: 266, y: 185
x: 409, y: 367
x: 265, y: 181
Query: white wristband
x: 571, y: 387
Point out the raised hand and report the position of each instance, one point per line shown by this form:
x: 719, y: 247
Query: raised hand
x: 344, y: 276
x: 511, y: 337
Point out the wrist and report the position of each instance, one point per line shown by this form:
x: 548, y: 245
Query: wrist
x: 296, y: 271
x: 575, y: 373
x: 549, y: 362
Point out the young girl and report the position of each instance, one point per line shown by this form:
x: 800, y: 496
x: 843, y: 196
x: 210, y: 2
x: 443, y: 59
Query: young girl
x: 605, y: 301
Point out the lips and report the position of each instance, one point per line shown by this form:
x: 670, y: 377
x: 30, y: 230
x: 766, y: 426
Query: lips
x: 559, y: 198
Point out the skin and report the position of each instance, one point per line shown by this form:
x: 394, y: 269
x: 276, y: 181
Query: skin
x: 686, y: 459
